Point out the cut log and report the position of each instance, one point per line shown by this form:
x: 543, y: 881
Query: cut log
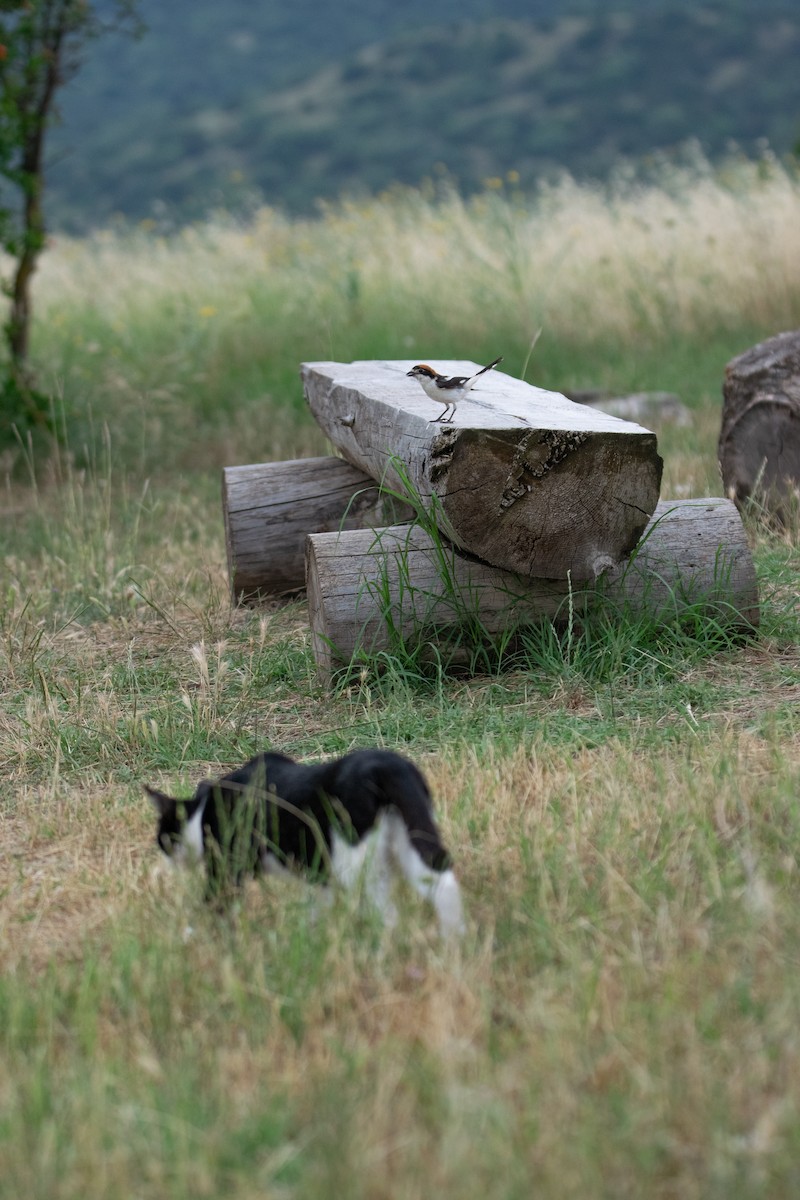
x: 525, y: 479
x: 759, y: 444
x: 373, y: 591
x: 269, y: 508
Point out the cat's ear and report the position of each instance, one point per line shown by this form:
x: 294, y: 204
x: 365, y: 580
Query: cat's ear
x: 161, y: 802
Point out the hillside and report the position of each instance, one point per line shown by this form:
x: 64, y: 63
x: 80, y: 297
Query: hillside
x: 289, y: 106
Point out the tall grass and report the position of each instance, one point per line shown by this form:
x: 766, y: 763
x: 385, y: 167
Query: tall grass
x: 188, y: 344
x: 622, y: 1016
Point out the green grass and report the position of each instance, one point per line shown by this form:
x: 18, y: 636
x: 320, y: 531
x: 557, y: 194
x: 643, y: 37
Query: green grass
x: 623, y: 803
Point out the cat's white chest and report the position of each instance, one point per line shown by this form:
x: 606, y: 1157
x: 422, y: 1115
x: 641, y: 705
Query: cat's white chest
x: 190, y: 848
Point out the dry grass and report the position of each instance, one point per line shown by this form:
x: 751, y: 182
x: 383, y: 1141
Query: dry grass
x: 693, y: 248
x: 624, y: 1004
x: 187, y: 346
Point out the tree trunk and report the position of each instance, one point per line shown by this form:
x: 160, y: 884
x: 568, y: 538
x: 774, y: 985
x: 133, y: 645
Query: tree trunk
x: 32, y: 170
x: 43, y: 78
x: 370, y: 591
x: 759, y: 444
x: 525, y: 479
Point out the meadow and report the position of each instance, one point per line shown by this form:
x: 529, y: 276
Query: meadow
x: 624, y: 810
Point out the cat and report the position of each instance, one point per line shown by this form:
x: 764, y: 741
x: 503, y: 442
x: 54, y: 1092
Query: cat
x: 364, y: 817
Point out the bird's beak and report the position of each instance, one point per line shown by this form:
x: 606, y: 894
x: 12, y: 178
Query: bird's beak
x: 411, y: 372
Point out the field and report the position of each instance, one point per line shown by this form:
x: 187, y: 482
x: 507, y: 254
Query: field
x: 622, y: 1017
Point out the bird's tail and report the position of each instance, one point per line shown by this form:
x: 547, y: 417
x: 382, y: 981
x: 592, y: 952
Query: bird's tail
x: 488, y: 367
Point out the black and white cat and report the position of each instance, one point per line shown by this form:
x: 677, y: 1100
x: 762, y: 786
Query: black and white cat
x: 366, y: 817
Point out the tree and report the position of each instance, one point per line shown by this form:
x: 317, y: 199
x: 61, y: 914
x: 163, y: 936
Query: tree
x: 41, y: 42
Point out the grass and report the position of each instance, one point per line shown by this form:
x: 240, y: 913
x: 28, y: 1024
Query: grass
x: 184, y: 346
x: 623, y: 806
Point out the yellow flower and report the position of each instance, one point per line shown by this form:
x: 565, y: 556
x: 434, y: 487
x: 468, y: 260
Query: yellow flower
x: 207, y: 310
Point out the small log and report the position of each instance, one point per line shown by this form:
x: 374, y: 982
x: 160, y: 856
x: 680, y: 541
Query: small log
x: 368, y: 590
x: 525, y: 479
x: 269, y: 508
x: 759, y: 444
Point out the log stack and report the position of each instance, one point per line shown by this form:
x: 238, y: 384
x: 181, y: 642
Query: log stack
x: 528, y: 501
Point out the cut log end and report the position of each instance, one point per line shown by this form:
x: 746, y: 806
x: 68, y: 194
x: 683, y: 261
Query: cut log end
x: 759, y: 444
x: 567, y: 504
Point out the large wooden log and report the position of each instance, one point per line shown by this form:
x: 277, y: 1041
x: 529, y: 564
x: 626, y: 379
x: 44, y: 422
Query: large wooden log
x: 759, y: 444
x: 269, y: 508
x: 368, y: 591
x: 526, y: 480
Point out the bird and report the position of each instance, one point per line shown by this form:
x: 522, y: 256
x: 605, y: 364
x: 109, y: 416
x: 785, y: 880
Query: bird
x: 447, y: 390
